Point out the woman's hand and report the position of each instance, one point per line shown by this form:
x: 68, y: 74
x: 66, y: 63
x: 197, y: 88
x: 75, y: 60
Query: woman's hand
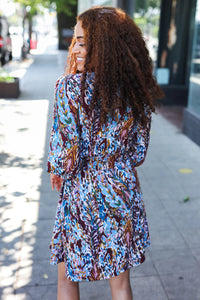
x: 56, y: 182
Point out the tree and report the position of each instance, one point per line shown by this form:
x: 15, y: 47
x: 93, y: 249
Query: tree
x: 147, y: 17
x: 142, y: 6
x: 65, y: 6
x: 30, y: 8
x: 66, y: 15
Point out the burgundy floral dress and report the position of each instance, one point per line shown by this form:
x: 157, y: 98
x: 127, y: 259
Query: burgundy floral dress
x: 100, y: 228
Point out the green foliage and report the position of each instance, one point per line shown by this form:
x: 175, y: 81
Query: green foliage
x: 154, y: 3
x: 65, y: 6
x: 5, y: 77
x: 155, y: 31
x: 142, y: 6
x: 140, y: 21
x: 146, y: 17
x: 186, y: 199
x: 32, y: 5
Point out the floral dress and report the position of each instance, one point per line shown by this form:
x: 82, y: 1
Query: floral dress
x: 100, y: 228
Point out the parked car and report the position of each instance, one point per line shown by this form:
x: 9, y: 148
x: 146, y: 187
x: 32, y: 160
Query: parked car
x: 5, y: 41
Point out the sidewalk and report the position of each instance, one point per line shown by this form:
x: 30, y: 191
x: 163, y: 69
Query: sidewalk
x: 170, y: 179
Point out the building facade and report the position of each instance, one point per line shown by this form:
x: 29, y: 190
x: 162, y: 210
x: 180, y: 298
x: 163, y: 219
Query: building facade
x: 191, y: 119
x: 171, y: 29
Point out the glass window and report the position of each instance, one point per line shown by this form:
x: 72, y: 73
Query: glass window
x: 194, y: 88
x: 147, y: 17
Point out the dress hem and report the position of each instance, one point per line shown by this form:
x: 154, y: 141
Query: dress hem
x: 129, y: 266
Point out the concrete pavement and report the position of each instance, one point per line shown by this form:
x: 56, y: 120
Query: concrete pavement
x: 170, y: 180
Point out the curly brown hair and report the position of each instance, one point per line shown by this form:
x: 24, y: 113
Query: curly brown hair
x: 120, y: 61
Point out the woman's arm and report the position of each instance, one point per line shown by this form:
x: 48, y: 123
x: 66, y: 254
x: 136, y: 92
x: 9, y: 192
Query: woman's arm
x: 63, y: 155
x: 56, y: 182
x: 138, y: 143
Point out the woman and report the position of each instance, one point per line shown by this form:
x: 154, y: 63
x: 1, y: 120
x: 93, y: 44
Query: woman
x: 100, y: 133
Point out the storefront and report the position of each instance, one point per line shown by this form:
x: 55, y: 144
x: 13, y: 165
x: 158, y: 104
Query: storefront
x: 171, y: 29
x: 172, y: 32
x: 191, y: 120
x: 175, y: 49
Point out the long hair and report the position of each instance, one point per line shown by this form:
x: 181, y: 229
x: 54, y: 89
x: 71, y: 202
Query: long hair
x: 117, y: 54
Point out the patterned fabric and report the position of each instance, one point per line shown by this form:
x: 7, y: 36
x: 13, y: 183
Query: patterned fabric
x: 100, y: 227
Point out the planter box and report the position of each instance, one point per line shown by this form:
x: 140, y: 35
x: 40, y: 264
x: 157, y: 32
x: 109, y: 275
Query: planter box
x: 9, y: 89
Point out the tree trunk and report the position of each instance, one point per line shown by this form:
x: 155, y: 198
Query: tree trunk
x: 30, y: 28
x: 66, y: 25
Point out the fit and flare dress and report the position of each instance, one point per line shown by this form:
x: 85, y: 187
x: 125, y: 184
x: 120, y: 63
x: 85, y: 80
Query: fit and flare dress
x: 100, y: 228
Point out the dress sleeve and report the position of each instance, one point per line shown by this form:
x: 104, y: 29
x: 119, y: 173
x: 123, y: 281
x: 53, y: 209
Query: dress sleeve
x: 63, y: 156
x: 139, y: 142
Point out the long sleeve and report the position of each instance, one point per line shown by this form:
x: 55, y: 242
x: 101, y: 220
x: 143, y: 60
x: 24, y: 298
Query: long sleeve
x: 137, y: 141
x: 140, y: 144
x: 63, y: 158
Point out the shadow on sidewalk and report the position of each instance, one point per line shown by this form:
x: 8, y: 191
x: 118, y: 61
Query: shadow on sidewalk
x: 27, y: 204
